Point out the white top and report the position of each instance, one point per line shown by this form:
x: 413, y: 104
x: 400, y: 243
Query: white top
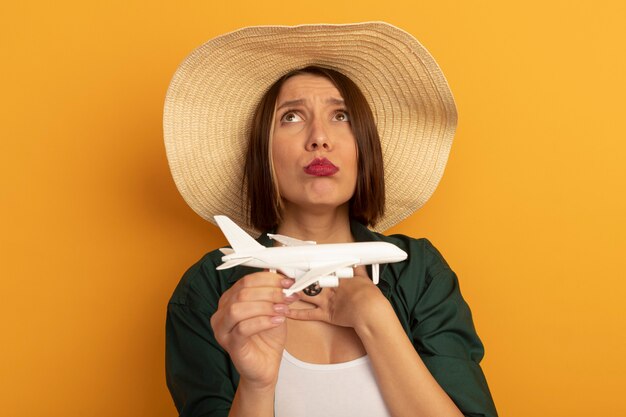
x: 341, y: 389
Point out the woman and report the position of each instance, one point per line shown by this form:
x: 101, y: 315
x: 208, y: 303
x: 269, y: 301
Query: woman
x: 236, y: 345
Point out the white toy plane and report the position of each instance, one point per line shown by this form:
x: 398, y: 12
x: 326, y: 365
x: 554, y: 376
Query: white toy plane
x: 312, y: 266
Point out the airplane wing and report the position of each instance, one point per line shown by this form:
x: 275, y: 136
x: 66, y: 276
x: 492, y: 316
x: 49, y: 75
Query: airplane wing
x: 314, y: 274
x: 290, y: 241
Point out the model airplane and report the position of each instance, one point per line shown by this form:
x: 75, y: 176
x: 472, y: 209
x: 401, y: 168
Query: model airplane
x: 312, y: 266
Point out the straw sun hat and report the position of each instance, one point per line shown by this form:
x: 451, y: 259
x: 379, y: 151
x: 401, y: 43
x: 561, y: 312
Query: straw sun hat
x: 214, y: 93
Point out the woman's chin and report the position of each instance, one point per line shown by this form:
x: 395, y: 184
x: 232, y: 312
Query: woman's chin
x: 317, y: 204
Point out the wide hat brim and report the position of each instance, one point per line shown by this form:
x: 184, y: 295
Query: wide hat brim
x: 215, y: 91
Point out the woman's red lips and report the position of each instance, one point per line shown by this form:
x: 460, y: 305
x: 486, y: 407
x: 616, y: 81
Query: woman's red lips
x: 321, y: 167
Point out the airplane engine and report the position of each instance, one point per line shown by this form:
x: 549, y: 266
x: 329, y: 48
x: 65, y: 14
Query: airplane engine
x: 344, y: 273
x: 291, y: 272
x: 328, y: 281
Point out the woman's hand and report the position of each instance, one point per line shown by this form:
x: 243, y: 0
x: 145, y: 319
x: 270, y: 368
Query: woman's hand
x: 250, y: 325
x: 354, y: 303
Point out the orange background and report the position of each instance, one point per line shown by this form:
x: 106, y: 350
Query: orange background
x: 530, y: 212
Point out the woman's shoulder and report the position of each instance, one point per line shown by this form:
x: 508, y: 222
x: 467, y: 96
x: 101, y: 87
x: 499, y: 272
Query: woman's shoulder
x: 202, y: 285
x: 423, y: 265
x: 419, y: 250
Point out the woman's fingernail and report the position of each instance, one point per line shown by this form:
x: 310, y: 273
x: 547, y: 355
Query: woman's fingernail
x: 286, y: 283
x: 277, y: 319
x: 281, y: 308
x: 291, y: 298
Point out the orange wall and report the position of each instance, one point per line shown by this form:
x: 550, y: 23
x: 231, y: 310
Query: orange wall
x: 530, y: 212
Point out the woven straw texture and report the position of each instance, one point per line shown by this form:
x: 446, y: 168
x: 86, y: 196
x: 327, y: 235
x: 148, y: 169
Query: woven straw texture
x: 214, y: 92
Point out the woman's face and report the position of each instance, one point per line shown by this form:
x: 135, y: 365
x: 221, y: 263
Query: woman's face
x: 314, y: 151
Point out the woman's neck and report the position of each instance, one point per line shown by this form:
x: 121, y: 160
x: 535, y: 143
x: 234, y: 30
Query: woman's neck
x: 322, y: 227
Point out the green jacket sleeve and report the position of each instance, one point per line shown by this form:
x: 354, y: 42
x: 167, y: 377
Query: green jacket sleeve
x: 444, y: 336
x: 200, y: 376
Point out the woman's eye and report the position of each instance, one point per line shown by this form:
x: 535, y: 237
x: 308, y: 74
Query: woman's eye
x: 341, y: 116
x: 291, y: 117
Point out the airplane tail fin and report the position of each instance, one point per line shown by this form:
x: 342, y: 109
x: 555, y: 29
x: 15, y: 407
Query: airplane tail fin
x: 237, y: 237
x: 232, y: 263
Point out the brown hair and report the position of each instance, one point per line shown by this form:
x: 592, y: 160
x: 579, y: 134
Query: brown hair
x: 367, y: 204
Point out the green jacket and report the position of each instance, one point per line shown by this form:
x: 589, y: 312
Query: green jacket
x: 423, y: 291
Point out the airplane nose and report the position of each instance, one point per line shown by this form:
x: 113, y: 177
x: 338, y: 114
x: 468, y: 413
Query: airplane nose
x: 394, y: 253
x: 400, y: 254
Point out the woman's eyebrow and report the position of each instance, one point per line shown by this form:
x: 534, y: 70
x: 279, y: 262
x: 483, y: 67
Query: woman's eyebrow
x: 337, y: 101
x: 291, y: 103
x: 300, y: 101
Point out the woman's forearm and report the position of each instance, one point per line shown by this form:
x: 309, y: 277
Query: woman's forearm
x: 252, y: 401
x: 406, y: 384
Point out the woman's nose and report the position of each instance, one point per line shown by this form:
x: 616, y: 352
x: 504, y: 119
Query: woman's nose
x: 318, y: 137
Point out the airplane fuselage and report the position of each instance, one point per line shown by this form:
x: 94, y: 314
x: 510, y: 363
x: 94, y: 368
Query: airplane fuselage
x: 312, y: 256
